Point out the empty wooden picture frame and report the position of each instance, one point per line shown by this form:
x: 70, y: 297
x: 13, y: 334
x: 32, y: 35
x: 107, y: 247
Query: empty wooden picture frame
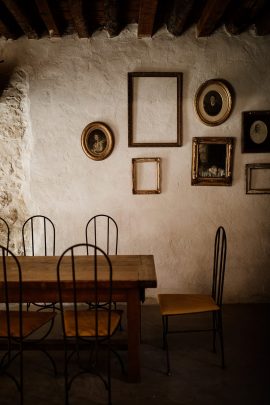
x: 146, y: 175
x: 258, y: 178
x: 154, y: 109
x: 212, y: 161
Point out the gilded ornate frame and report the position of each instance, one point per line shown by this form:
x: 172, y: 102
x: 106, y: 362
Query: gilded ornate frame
x: 216, y: 168
x: 97, y: 140
x: 135, y: 162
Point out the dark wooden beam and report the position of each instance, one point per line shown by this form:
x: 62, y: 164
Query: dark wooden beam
x: 6, y: 32
x: 76, y: 10
x: 262, y: 23
x: 20, y: 18
x: 244, y: 15
x: 147, y: 14
x: 111, y: 15
x: 47, y: 17
x: 178, y: 17
x: 211, y: 16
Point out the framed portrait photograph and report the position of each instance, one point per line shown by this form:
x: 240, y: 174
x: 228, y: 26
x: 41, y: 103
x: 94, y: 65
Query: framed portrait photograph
x: 255, y: 131
x: 258, y: 178
x: 213, y: 101
x: 146, y: 175
x: 97, y: 140
x: 154, y: 109
x: 212, y: 161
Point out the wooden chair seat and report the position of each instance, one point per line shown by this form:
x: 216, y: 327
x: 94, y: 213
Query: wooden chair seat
x: 178, y: 304
x: 31, y: 322
x: 87, y: 322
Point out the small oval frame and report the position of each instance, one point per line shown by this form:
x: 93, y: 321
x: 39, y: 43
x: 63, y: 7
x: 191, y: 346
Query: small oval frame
x: 224, y: 93
x: 97, y: 140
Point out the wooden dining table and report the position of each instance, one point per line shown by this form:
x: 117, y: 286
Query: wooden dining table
x: 132, y: 274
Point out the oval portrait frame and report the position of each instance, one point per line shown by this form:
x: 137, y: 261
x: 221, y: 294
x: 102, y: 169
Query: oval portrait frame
x: 97, y: 140
x: 219, y: 92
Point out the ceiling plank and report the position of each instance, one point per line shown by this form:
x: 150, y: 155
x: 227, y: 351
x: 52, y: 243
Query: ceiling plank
x: 47, y: 17
x: 5, y: 31
x: 178, y: 17
x: 244, y: 15
x: 211, y: 16
x: 111, y: 15
x: 147, y: 14
x: 21, y: 19
x: 262, y: 25
x: 76, y: 10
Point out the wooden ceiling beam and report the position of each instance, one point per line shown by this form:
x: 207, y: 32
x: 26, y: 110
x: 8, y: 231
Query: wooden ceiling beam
x: 147, y: 14
x: 20, y: 18
x: 111, y: 15
x: 243, y: 15
x: 211, y: 15
x: 262, y: 25
x: 178, y: 17
x: 47, y: 17
x: 76, y: 10
x: 6, y: 32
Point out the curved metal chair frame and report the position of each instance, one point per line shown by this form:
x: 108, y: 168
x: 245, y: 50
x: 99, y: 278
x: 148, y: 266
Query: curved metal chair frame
x: 111, y: 225
x: 4, y: 223
x: 171, y: 304
x: 17, y: 325
x: 82, y: 326
x: 47, y: 225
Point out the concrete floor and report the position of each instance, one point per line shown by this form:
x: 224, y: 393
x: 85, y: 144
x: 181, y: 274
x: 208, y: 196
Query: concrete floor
x: 197, y: 377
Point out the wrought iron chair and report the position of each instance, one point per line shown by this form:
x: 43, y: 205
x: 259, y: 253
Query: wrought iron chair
x: 38, y: 237
x: 182, y: 304
x: 17, y: 325
x: 102, y: 231
x: 92, y: 327
x: 4, y: 232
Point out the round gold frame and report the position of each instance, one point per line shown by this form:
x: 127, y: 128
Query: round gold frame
x: 222, y: 93
x: 97, y: 140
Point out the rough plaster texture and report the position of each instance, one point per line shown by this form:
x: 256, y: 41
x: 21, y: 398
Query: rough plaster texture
x: 76, y: 81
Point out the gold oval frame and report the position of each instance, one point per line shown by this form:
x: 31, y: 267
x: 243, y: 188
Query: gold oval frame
x: 224, y: 91
x: 94, y: 148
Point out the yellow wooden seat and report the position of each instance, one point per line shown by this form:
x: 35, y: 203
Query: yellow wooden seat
x: 183, y: 304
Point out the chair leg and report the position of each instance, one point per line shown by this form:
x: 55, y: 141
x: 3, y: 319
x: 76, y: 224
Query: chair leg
x: 21, y: 376
x: 109, y: 376
x: 220, y: 329
x: 214, y: 330
x: 165, y: 343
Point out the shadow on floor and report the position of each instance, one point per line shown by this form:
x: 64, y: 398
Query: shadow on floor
x: 197, y: 376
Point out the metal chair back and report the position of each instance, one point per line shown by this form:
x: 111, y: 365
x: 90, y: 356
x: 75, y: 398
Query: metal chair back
x: 4, y: 232
x: 38, y: 236
x: 102, y: 230
x: 220, y: 252
x: 98, y: 268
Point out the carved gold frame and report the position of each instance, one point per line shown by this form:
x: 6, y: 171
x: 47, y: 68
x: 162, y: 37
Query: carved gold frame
x: 224, y: 91
x: 102, y: 147
x: 135, y: 189
x: 206, y: 180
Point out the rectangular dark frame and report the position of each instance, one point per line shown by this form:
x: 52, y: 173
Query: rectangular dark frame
x: 178, y: 76
x: 249, y: 120
x: 203, y: 179
x: 251, y: 167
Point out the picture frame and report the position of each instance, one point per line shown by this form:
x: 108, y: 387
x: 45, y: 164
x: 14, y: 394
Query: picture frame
x: 258, y: 178
x: 212, y: 161
x: 97, y: 140
x: 255, y: 131
x: 155, y: 109
x: 156, y: 176
x: 213, y: 101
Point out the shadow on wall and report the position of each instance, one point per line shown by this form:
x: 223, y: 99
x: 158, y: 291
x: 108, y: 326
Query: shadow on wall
x: 6, y: 71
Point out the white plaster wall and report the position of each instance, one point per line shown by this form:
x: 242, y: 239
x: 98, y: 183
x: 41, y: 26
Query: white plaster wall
x: 76, y: 81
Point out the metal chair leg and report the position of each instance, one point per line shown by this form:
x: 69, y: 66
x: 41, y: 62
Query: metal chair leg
x: 165, y: 343
x: 220, y: 329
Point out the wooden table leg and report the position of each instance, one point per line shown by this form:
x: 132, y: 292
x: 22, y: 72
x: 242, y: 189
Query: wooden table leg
x: 133, y: 329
